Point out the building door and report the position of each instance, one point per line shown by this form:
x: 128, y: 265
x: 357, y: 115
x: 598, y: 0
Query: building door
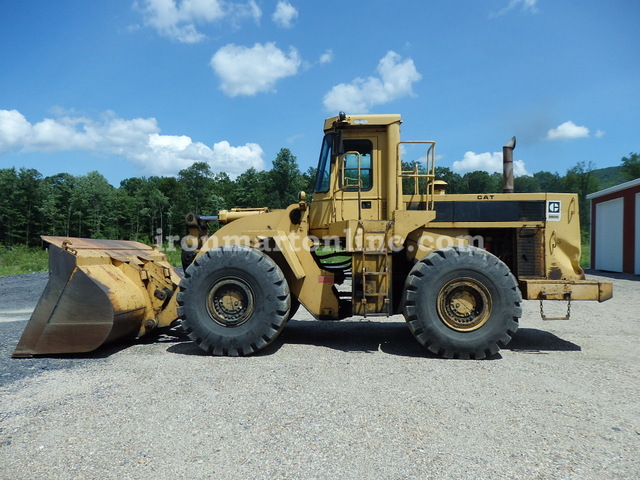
x: 637, y: 236
x: 609, y: 221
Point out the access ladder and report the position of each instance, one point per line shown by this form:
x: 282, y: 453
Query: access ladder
x: 371, y: 269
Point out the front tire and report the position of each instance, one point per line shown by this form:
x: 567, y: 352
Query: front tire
x: 234, y: 300
x: 462, y: 302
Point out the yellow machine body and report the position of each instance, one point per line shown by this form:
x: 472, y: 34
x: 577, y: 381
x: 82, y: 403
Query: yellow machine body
x: 369, y: 220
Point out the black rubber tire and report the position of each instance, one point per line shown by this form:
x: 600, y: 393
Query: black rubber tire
x: 425, y: 296
x: 187, y: 257
x: 209, y: 321
x: 295, y: 305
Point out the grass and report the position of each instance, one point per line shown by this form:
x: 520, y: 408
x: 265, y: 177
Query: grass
x: 174, y: 256
x: 21, y: 259
x: 585, y: 258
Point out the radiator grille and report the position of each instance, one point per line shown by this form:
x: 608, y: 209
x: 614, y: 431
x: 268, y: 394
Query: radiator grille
x: 531, y: 252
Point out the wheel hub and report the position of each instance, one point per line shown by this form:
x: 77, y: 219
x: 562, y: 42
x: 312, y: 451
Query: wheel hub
x: 230, y: 302
x: 464, y: 304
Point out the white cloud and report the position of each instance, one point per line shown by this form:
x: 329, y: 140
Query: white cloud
x: 285, y: 14
x: 599, y: 134
x: 138, y: 140
x: 528, y: 6
x: 395, y: 81
x: 177, y: 19
x: 13, y: 129
x: 248, y: 71
x: 567, y: 131
x: 249, y: 155
x: 249, y: 10
x: 326, y: 57
x: 167, y: 154
x: 488, y: 162
x: 49, y: 134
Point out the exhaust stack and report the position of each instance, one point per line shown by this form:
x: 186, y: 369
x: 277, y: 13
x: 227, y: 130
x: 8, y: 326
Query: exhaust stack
x: 507, y: 166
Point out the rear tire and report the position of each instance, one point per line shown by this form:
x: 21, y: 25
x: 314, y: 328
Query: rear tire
x: 234, y: 300
x: 462, y: 302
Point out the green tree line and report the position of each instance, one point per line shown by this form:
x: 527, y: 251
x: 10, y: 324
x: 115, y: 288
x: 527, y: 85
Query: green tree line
x: 88, y: 206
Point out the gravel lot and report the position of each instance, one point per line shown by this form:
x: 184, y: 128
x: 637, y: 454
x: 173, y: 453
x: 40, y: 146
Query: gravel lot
x: 352, y: 399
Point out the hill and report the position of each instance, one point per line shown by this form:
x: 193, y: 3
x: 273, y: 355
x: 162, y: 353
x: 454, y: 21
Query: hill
x: 609, y: 177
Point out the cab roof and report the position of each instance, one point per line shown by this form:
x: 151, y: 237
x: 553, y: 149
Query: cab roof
x: 385, y: 119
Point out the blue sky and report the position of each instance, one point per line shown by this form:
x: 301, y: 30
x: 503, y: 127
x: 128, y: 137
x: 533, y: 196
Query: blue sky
x: 147, y: 87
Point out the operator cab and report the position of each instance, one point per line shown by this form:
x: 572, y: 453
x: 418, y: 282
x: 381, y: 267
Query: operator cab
x: 361, y: 175
x: 356, y: 170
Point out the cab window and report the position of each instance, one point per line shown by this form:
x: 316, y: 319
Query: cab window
x: 324, y: 165
x: 349, y: 178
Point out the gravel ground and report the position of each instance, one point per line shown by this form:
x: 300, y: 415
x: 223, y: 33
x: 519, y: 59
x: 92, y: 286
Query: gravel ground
x: 353, y: 399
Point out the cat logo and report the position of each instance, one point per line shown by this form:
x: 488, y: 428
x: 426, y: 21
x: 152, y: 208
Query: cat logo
x: 554, y: 210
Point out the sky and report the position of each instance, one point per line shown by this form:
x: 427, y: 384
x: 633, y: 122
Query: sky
x: 147, y: 87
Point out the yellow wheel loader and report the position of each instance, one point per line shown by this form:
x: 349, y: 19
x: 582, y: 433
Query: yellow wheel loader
x: 378, y: 238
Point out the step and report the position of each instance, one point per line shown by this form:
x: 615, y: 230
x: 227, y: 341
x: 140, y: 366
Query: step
x: 377, y: 314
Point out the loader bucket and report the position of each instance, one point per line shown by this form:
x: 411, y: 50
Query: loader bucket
x: 98, y: 291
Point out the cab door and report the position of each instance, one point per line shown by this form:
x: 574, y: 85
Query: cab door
x: 357, y: 187
x: 348, y: 183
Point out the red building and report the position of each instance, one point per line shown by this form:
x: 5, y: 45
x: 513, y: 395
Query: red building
x: 615, y: 228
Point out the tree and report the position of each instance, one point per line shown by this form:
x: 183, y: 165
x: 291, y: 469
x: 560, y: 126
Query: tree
x: 454, y: 180
x: 526, y: 184
x: 9, y: 211
x: 482, y: 182
x: 409, y: 183
x: 92, y: 199
x: 197, y: 181
x: 251, y: 189
x: 631, y: 166
x: 55, y: 204
x: 176, y: 207
x: 132, y: 205
x: 549, y: 182
x: 285, y: 180
x: 28, y: 198
x: 309, y: 182
x: 579, y: 179
x: 155, y: 203
x: 124, y: 214
x: 223, y: 185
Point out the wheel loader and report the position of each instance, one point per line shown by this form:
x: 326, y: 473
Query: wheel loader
x: 377, y: 239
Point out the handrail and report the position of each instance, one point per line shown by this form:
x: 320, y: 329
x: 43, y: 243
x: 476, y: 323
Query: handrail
x: 429, y: 174
x: 344, y: 178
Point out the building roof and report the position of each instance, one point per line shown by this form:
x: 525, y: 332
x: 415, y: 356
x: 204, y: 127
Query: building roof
x: 614, y: 189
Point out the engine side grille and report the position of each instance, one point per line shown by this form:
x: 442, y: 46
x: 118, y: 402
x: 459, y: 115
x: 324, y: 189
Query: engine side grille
x: 531, y: 252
